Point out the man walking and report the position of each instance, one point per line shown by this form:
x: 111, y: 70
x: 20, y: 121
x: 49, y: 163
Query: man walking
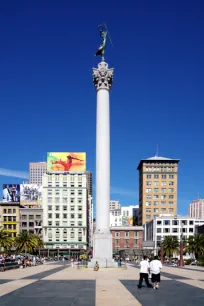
x: 144, y: 273
x: 155, y: 268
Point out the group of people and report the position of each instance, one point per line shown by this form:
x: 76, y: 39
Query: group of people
x: 152, y: 269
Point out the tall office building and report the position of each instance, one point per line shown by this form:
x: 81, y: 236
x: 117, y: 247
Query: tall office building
x: 114, y: 205
x: 157, y: 187
x: 196, y: 209
x: 66, y: 212
x: 36, y: 171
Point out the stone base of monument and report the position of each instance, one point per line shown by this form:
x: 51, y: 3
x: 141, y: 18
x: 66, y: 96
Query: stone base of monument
x: 103, y: 251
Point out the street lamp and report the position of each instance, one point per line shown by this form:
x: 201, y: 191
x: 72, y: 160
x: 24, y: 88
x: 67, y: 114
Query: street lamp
x: 181, y: 246
x: 162, y: 252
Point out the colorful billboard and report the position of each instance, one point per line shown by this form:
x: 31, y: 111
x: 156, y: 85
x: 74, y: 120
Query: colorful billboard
x: 66, y: 161
x: 30, y: 194
x: 11, y: 193
x: 127, y: 221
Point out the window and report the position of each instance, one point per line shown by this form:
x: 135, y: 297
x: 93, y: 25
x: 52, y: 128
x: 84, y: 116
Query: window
x: 49, y: 207
x: 72, y: 208
x: 57, y: 207
x: 163, y: 183
x: 163, y: 190
x: 148, y: 209
x: 136, y: 235
x: 171, y: 189
x: 158, y: 230
x: 166, y: 230
x: 38, y: 217
x: 79, y: 192
x: 163, y: 210
x: 72, y: 177
x: 4, y: 211
x: 72, y: 216
x: 5, y: 219
x: 79, y: 178
x: 191, y: 222
x: 166, y: 222
x: 50, y: 223
x: 174, y: 230
x: 148, y: 176
x: 57, y: 200
x: 79, y: 201
x: 163, y: 197
x: 31, y: 224
x: 191, y: 230
x: 64, y: 208
x: 171, y: 196
x: 148, y: 196
x: 156, y: 196
x: 72, y: 200
x: 171, y: 183
x: 72, y: 234
x: 79, y: 223
x: 156, y: 183
x: 57, y: 223
x: 79, y: 207
x: 156, y: 203
x: 14, y: 211
x: 135, y: 243
x: 9, y: 219
x: 49, y: 200
x: 156, y: 210
x: 79, y: 216
x: 148, y: 190
x: 149, y: 183
x: 148, y: 203
x: 64, y: 200
x: 9, y: 211
x: 117, y: 235
x: 170, y: 210
x: 175, y: 222
x: 164, y: 176
x: 31, y: 217
x: 64, y: 216
x: 64, y: 178
x: 57, y: 216
x: 171, y: 176
x: 159, y: 222
x: 148, y: 216
x: 79, y: 238
x: 72, y: 192
x: 156, y: 176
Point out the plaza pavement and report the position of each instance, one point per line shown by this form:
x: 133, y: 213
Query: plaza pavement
x: 59, y: 284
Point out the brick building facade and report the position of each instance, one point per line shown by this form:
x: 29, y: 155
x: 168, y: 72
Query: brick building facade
x: 127, y: 239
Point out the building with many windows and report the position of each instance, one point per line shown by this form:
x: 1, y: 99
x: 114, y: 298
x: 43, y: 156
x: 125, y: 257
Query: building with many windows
x: 127, y: 241
x: 36, y: 172
x: 196, y: 209
x: 156, y: 230
x: 114, y: 205
x: 158, y: 178
x: 66, y: 211
x: 10, y: 217
x: 31, y: 220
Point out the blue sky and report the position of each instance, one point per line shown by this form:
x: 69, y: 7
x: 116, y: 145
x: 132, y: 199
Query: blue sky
x: 48, y: 101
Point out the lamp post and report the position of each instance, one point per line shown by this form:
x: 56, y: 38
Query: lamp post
x: 161, y: 252
x: 181, y: 246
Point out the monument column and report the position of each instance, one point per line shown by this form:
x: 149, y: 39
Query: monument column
x: 102, y: 242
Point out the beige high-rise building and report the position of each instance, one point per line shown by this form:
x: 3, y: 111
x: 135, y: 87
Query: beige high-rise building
x: 196, y: 209
x: 158, y: 178
x: 36, y: 171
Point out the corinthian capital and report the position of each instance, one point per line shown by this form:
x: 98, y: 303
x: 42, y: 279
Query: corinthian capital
x: 102, y: 76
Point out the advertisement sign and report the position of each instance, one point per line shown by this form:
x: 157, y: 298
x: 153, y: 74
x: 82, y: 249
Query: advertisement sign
x: 30, y: 194
x: 66, y: 161
x: 11, y: 193
x: 127, y: 221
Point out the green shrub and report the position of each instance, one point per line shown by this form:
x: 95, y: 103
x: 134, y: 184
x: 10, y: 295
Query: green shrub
x: 188, y: 261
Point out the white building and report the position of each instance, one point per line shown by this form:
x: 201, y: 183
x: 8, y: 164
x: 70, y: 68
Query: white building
x: 36, y: 172
x: 67, y: 211
x: 115, y: 218
x: 157, y: 229
x: 196, y: 209
x: 114, y: 205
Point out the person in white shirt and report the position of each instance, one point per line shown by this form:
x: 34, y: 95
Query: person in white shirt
x: 155, y: 268
x: 144, y: 273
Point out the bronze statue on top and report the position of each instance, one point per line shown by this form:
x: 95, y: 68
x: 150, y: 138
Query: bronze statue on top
x: 103, y: 34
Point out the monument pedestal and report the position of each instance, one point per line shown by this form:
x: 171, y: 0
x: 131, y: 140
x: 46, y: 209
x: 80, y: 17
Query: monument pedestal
x: 102, y: 251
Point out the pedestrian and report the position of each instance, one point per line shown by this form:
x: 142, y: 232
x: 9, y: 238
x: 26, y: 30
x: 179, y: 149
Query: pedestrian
x: 155, y: 268
x: 144, y: 272
x: 72, y: 262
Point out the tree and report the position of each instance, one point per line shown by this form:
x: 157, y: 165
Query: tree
x: 195, y: 245
x: 26, y: 242
x: 5, y: 239
x: 170, y: 245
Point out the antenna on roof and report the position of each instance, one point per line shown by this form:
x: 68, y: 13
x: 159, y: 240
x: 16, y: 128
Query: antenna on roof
x: 157, y: 151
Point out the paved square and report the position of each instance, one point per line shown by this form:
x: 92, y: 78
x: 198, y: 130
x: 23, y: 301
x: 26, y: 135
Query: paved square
x: 61, y: 285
